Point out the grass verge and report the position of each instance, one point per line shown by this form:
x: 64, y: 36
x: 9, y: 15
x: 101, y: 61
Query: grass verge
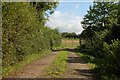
x: 9, y: 69
x: 58, y: 66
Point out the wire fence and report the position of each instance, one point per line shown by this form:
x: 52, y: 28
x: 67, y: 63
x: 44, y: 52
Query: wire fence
x: 70, y: 43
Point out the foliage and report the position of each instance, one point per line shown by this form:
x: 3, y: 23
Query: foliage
x: 69, y: 35
x: 23, y: 33
x: 111, y: 53
x: 44, y: 10
x: 101, y: 36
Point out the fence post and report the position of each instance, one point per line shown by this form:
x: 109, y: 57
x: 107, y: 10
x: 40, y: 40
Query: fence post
x: 72, y: 42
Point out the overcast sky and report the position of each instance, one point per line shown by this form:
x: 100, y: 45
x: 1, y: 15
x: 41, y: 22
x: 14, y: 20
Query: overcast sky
x: 68, y: 16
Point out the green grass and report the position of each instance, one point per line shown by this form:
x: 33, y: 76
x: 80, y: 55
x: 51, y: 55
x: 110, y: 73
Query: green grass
x: 58, y: 66
x: 8, y: 69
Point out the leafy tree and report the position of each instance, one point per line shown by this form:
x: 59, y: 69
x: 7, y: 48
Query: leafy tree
x: 98, y: 17
x: 101, y: 35
x: 23, y: 33
x: 69, y: 35
x: 44, y: 10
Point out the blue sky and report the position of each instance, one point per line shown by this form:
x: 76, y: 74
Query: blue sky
x: 68, y: 15
x: 78, y: 8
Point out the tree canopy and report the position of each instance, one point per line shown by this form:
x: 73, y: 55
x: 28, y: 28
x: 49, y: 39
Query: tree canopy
x: 69, y: 35
x: 102, y: 38
x: 24, y: 32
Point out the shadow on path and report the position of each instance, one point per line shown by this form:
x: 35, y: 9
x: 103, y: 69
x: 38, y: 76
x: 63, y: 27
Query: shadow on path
x: 85, y: 72
x: 77, y: 68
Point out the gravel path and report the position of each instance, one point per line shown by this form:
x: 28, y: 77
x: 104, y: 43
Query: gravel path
x: 34, y: 69
x: 77, y: 68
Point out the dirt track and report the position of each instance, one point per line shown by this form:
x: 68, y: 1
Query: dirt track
x: 34, y: 69
x: 77, y: 68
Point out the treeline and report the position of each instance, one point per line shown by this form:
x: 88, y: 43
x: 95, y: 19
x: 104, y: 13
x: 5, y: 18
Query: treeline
x: 102, y: 38
x: 24, y: 30
x: 69, y: 35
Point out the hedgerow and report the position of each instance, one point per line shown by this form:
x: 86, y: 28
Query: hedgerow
x: 23, y: 33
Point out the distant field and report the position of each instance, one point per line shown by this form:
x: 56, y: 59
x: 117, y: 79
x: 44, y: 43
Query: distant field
x: 70, y: 43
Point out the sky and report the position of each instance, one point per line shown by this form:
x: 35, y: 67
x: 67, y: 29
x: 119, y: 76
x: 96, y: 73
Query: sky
x: 68, y: 16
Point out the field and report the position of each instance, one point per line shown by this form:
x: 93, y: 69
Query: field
x: 70, y: 43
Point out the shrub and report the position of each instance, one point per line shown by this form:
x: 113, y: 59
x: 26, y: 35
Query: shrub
x: 23, y: 34
x: 111, y: 58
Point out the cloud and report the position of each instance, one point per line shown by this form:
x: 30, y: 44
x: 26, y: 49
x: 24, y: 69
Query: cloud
x: 65, y: 22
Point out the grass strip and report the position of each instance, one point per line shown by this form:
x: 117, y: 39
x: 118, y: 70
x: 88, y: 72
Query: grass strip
x: 58, y: 66
x: 9, y: 69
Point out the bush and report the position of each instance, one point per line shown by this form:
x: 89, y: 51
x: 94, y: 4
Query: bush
x: 106, y: 56
x: 111, y: 65
x: 23, y: 34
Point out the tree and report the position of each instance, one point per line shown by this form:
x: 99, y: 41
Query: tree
x: 44, y: 9
x: 69, y: 35
x: 23, y: 33
x: 102, y: 28
x: 98, y: 18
